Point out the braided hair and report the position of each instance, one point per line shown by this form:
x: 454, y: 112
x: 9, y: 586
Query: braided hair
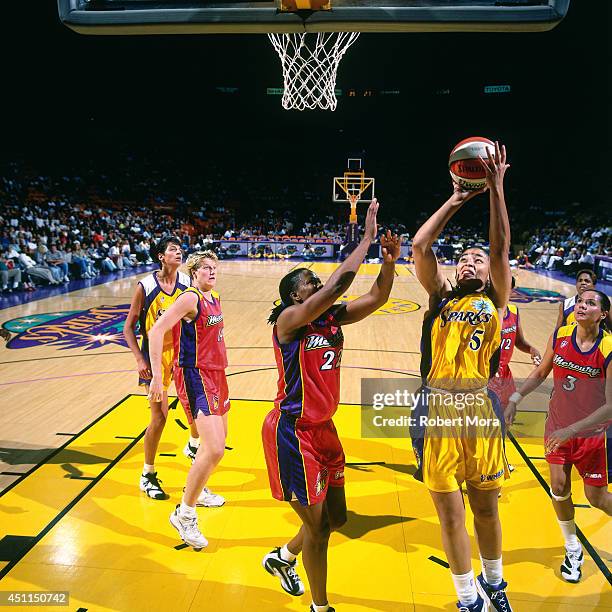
x: 289, y: 283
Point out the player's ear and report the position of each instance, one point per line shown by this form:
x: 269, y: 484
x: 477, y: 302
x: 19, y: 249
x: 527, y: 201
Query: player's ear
x: 295, y: 297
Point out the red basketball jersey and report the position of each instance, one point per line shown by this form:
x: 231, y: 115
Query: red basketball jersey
x: 199, y: 343
x: 508, y: 335
x: 309, y: 371
x: 579, y: 379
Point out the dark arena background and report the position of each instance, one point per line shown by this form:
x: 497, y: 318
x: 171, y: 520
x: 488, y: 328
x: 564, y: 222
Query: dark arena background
x: 110, y: 143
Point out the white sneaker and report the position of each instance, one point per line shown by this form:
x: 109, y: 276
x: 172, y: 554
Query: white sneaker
x: 190, y: 451
x: 188, y: 529
x: 209, y: 499
x: 151, y: 485
x: 570, y: 568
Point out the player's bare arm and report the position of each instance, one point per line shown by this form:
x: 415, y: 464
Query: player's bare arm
x: 184, y: 306
x: 381, y: 289
x: 536, y: 377
x: 297, y: 315
x: 129, y: 333
x: 427, y: 269
x: 601, y: 416
x: 524, y: 346
x: 499, y: 226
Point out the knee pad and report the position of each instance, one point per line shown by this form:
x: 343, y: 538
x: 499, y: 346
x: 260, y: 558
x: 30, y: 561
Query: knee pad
x: 560, y: 498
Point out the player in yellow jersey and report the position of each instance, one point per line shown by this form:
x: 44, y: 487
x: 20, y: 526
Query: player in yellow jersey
x: 154, y: 294
x: 459, y: 438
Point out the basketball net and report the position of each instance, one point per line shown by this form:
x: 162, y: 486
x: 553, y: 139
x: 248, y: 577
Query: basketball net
x: 310, y: 65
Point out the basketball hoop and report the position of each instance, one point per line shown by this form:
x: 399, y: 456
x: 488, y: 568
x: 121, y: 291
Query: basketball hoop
x: 310, y: 65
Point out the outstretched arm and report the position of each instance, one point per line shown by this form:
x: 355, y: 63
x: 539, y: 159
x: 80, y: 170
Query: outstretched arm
x: 525, y: 347
x: 296, y: 316
x: 379, y: 293
x: 427, y: 270
x: 499, y: 226
x: 601, y: 416
x: 536, y: 377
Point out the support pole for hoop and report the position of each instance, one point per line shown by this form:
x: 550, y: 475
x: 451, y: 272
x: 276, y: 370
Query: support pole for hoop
x: 353, y: 199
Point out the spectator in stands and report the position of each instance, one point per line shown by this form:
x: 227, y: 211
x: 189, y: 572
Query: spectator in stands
x: 586, y: 260
x: 522, y: 261
x: 10, y: 276
x: 83, y: 261
x: 56, y: 260
x: 547, y: 251
x: 556, y: 260
x: 36, y: 271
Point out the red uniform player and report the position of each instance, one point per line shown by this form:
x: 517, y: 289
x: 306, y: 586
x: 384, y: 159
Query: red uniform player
x: 200, y: 360
x: 580, y: 411
x: 304, y: 455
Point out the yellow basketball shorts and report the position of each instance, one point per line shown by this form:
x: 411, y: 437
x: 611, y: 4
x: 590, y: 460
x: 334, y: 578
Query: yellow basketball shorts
x: 457, y: 440
x: 167, y: 364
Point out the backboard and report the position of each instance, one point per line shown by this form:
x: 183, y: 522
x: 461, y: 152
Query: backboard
x: 263, y: 16
x: 353, y: 184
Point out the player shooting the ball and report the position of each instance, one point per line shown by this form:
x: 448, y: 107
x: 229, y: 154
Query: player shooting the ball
x: 460, y: 349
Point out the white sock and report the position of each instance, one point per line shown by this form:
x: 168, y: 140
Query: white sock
x: 492, y: 571
x: 286, y: 554
x: 568, y: 528
x: 148, y: 469
x: 186, y: 510
x: 465, y: 586
x: 194, y: 441
x: 324, y: 608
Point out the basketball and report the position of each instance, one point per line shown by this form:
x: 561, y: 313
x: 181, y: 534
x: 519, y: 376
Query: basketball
x: 464, y: 164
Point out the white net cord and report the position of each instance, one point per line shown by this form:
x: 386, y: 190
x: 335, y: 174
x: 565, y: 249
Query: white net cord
x: 310, y: 65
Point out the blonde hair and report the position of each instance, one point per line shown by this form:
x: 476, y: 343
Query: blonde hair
x: 194, y: 261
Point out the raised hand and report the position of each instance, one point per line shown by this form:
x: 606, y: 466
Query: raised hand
x: 461, y: 196
x: 391, y: 247
x: 371, y: 229
x: 495, y: 166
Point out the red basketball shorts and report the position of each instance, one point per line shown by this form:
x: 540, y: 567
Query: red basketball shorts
x: 592, y: 457
x: 302, y: 459
x: 202, y: 391
x: 502, y: 384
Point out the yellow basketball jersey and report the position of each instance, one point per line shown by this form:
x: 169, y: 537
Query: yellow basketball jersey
x: 460, y: 341
x: 156, y: 301
x: 568, y: 311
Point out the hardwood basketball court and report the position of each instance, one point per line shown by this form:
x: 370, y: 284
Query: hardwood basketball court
x: 74, y: 519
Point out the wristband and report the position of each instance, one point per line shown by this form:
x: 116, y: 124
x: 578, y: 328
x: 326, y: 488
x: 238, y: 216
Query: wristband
x: 515, y: 398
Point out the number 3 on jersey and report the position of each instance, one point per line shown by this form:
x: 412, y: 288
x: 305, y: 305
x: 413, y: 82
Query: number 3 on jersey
x: 328, y: 360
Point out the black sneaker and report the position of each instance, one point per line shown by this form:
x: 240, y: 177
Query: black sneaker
x: 496, y: 595
x: 151, y: 485
x: 274, y: 564
x: 330, y: 609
